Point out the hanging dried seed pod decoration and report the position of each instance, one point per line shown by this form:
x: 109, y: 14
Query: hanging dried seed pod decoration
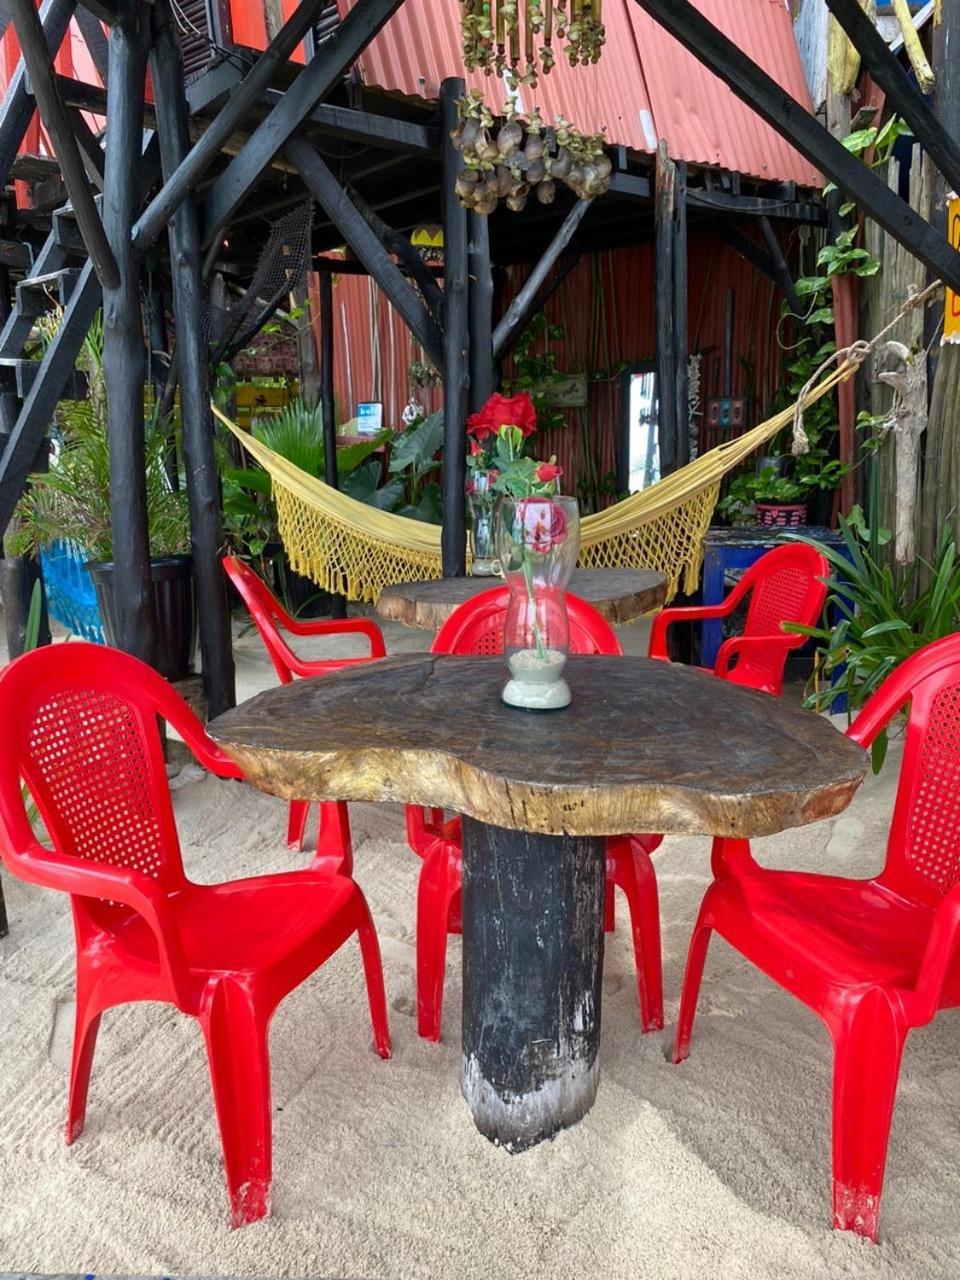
x: 517, y: 37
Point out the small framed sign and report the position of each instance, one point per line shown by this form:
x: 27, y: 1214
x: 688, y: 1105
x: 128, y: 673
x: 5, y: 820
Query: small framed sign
x: 369, y: 418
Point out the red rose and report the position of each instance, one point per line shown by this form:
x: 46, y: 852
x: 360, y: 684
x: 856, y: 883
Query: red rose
x: 544, y: 524
x: 506, y: 411
x: 479, y: 425
x: 548, y: 472
x: 475, y: 448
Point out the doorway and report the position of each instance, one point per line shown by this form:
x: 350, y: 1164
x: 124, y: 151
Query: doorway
x: 640, y: 443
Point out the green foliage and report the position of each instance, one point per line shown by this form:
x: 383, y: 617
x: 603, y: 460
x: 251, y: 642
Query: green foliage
x: 414, y: 453
x: 296, y: 434
x: 364, y: 485
x: 886, y: 613
x: 412, y: 458
x: 536, y: 371
x: 72, y: 500
x: 31, y: 635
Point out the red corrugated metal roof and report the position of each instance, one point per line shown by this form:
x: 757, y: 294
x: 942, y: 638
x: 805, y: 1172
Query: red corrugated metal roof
x: 645, y: 87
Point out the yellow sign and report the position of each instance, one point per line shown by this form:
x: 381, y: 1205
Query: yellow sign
x: 951, y: 322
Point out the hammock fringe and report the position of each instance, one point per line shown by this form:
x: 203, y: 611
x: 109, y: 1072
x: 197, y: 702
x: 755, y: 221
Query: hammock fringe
x: 349, y: 548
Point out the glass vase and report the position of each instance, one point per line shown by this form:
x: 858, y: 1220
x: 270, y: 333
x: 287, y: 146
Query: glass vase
x: 537, y: 540
x: 481, y: 501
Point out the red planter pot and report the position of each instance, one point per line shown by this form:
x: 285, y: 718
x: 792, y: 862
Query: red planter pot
x: 776, y: 515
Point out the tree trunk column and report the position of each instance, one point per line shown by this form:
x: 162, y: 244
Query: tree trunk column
x: 532, y: 967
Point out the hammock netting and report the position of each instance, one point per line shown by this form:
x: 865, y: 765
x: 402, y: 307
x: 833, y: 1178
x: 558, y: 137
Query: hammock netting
x: 351, y: 549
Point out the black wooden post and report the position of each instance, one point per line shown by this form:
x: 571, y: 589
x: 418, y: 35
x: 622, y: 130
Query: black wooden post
x: 680, y: 315
x: 456, y: 341
x: 18, y: 106
x: 328, y: 405
x: 532, y: 969
x: 124, y: 365
x: 203, y: 486
x: 481, y: 311
x: 664, y: 318
x: 36, y: 56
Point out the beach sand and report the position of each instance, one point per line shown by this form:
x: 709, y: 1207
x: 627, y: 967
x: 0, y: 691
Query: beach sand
x: 717, y: 1168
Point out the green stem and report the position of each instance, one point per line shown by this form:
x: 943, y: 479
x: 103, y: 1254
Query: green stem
x: 528, y: 579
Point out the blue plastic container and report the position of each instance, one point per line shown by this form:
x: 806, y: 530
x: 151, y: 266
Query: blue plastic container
x: 71, y: 597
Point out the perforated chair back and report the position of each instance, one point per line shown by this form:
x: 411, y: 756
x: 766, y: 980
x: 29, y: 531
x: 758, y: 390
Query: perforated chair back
x: 263, y: 608
x: 478, y: 626
x: 923, y: 854
x: 81, y: 730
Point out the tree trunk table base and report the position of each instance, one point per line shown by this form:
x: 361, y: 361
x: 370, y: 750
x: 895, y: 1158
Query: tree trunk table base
x: 532, y: 969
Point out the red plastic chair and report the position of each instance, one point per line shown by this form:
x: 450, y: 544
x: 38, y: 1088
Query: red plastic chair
x: 477, y: 627
x: 81, y: 730
x: 786, y: 585
x: 267, y: 612
x: 873, y: 958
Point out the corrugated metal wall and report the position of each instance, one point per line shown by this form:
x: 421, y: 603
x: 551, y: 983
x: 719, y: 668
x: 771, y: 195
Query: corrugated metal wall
x: 606, y: 309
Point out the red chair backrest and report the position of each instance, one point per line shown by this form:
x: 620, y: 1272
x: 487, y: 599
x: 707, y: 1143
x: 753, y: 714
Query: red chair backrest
x: 786, y: 585
x: 923, y: 853
x: 477, y: 626
x: 264, y: 608
x: 80, y: 728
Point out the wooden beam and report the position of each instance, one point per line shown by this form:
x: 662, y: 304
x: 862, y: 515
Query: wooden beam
x: 328, y: 405
x: 95, y: 40
x: 197, y: 437
x: 40, y: 404
x: 36, y: 56
x: 664, y: 319
x: 784, y: 276
x: 124, y: 363
x: 18, y: 106
x: 366, y: 128
x: 334, y: 57
x: 902, y: 94
x: 90, y: 148
x: 210, y: 145
x: 343, y: 214
x: 809, y: 212
x: 400, y: 246
x: 795, y: 123
x: 481, y: 311
x: 680, y: 314
x: 519, y: 312
x: 754, y: 253
x: 455, y: 362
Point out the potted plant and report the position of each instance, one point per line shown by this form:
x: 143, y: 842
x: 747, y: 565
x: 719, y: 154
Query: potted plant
x: 71, y: 503
x: 779, y: 497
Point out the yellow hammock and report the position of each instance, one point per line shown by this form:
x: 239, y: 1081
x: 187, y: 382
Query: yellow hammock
x: 352, y: 549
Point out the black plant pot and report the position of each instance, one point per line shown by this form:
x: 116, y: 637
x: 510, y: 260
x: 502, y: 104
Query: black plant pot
x: 175, y: 601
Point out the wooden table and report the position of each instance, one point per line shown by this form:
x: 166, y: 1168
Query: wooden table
x: 620, y: 595
x: 645, y: 746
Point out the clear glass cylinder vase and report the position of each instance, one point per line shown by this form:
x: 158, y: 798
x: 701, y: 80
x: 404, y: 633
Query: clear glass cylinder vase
x: 481, y: 503
x: 538, y: 540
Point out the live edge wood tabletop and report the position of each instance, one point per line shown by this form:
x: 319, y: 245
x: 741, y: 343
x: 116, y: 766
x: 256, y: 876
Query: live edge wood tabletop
x: 644, y: 747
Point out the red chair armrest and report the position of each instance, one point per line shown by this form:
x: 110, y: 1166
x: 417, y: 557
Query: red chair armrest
x: 739, y: 646
x: 667, y: 617
x: 938, y: 956
x: 345, y: 626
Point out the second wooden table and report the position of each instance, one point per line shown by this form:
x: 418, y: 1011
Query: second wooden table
x: 620, y: 595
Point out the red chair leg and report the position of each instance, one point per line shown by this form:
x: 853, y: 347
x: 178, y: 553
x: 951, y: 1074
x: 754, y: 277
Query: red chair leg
x: 696, y: 958
x: 297, y: 824
x: 435, y: 893
x: 235, y: 1032
x: 610, y: 907
x: 868, y: 1046
x: 334, y: 846
x: 86, y: 1026
x: 373, y: 971
x: 629, y: 866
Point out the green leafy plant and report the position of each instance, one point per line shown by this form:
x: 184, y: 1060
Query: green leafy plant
x: 296, y: 434
x: 886, y: 613
x: 408, y: 491
x: 535, y: 370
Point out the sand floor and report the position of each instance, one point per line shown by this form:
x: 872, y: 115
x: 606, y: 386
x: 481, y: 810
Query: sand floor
x: 717, y: 1168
